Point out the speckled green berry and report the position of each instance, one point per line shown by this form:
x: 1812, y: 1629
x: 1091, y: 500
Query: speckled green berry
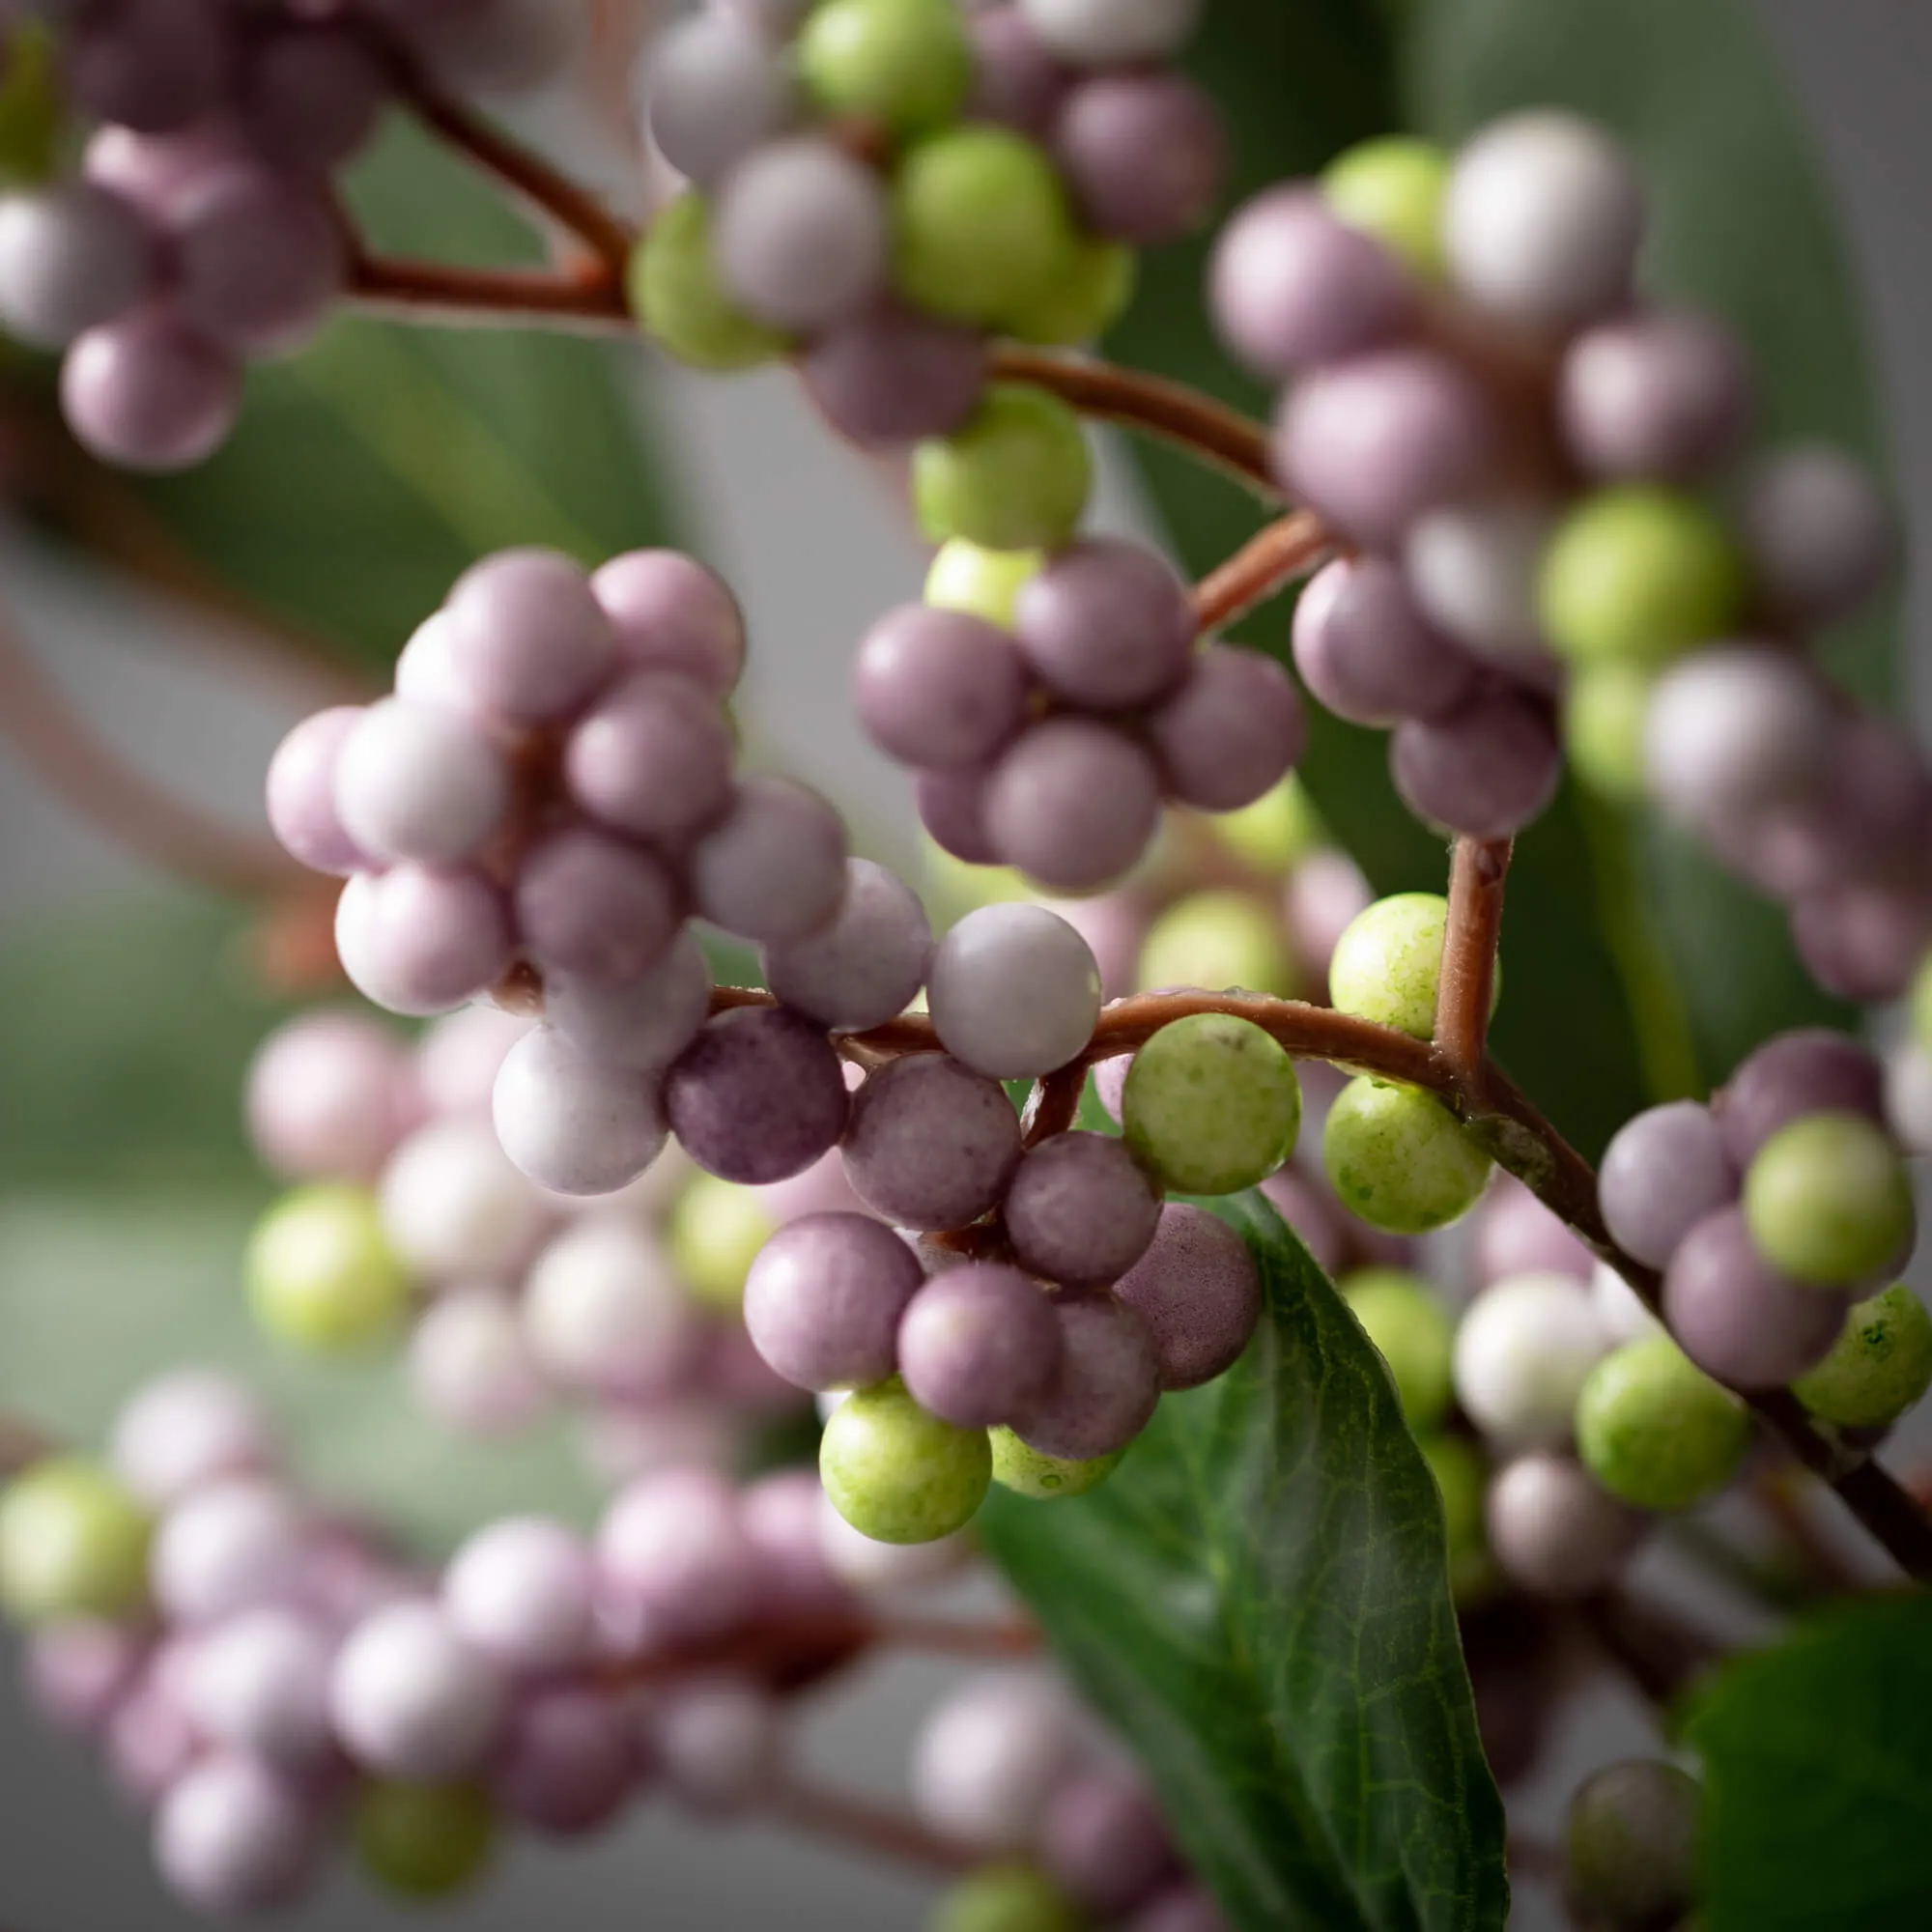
x: 73, y: 1543
x: 1402, y: 1317
x: 680, y: 304
x: 1006, y: 1898
x: 1399, y: 1159
x: 424, y: 1841
x: 1638, y: 573
x: 898, y: 1474
x: 1879, y: 1367
x: 1277, y: 831
x: 1392, y: 189
x: 1655, y: 1430
x: 1220, y: 941
x: 1827, y: 1199
x: 1020, y: 1467
x: 1388, y: 960
x: 1015, y: 478
x: 1630, y: 1843
x: 1083, y: 301
x: 981, y: 581
x: 716, y: 1231
x: 1603, y: 727
x: 320, y: 1273
x: 1462, y: 1477
x: 1211, y: 1104
x: 902, y: 64
x: 980, y: 224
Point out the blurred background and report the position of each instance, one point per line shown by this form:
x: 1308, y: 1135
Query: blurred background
x: 190, y: 623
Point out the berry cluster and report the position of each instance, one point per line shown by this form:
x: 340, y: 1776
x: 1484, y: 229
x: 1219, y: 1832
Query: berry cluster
x: 877, y: 185
x: 199, y: 233
x: 1050, y: 701
x: 407, y: 1210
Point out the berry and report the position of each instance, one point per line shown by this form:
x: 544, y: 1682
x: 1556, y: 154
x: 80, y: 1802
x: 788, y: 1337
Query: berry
x: 865, y: 966
x: 1386, y: 964
x: 1661, y: 1174
x: 1656, y: 1430
x: 603, y: 1311
x: 989, y: 1757
x: 898, y: 1474
x: 715, y: 1234
x: 1554, y: 1531
x: 1410, y: 1327
x: 1014, y: 477
x: 1014, y: 991
x: 231, y: 1837
x: 1220, y: 940
x: 73, y: 1543
x: 1737, y: 1317
x: 1603, y: 713
x: 572, y: 1122
x: 1211, y: 1105
x: 1391, y: 189
x: 520, y: 1591
x: 1006, y: 1899
x: 939, y: 687
x: 1525, y: 1346
x: 424, y: 1841
x: 1658, y: 397
x: 1485, y: 769
x: 1026, y: 1472
x: 773, y: 870
x: 1461, y: 1475
x: 1473, y: 568
x: 680, y: 301
x: 187, y: 1428
x: 1365, y: 650
x: 981, y: 581
x: 322, y: 1273
x: 1199, y: 1292
x: 1812, y: 1071
x: 413, y: 1700
x: 1630, y: 1843
x: 1399, y: 1159
x: 1106, y: 625
x: 905, y: 65
x: 931, y: 1145
x: 1111, y: 33
x: 1827, y: 1199
x: 824, y: 1298
x: 1107, y: 1387
x: 1080, y: 1211
x: 1144, y: 156
x: 978, y: 1345
x: 1878, y: 1368
x: 757, y: 1096
x: 1820, y: 538
x: 717, y: 90
x: 1090, y: 295
x: 1073, y: 804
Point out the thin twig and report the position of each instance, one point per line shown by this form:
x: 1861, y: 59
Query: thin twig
x: 404, y: 289
x: 1263, y: 567
x: 1478, y: 873
x: 864, y: 1826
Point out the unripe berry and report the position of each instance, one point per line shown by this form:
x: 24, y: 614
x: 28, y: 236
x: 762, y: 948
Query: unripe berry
x: 1656, y: 1430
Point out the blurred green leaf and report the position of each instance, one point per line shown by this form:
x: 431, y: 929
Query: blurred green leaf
x: 94, y: 1305
x: 1742, y: 226
x: 1258, y: 1599
x: 1818, y: 1761
x: 369, y: 471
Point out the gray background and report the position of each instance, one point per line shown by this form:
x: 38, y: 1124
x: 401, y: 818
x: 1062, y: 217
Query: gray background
x: 817, y: 547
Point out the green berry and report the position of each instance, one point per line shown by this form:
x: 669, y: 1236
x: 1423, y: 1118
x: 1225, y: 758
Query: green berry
x: 1006, y: 1898
x: 1827, y: 1199
x: 1921, y: 1005
x: 982, y: 583
x: 1022, y: 1468
x: 1879, y: 1367
x: 681, y: 304
x: 1015, y: 478
x: 1083, y: 301
x: 1603, y: 727
x: 1638, y: 573
x: 898, y: 1474
x: 1388, y: 960
x: 1217, y: 940
x: 1402, y: 1317
x: 424, y: 1841
x: 1632, y: 1843
x: 1211, y: 1104
x: 1399, y: 1159
x: 1275, y: 832
x: 1655, y: 1430
x: 1463, y: 1479
x: 73, y: 1543
x: 321, y: 1272
x: 905, y: 65
x: 1392, y: 189
x: 980, y: 225
x: 716, y: 1229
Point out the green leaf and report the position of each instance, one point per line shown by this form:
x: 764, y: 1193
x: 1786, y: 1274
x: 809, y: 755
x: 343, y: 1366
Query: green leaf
x: 1818, y: 1758
x: 92, y: 1305
x: 1742, y: 226
x: 1258, y: 1599
x: 370, y: 470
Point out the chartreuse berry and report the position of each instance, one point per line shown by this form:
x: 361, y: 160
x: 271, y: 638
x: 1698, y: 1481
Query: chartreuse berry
x: 1921, y: 1005
x: 1022, y: 1468
x: 1015, y: 478
x: 1827, y: 1199
x: 898, y: 1474
x: 1388, y: 960
x: 1006, y: 1898
x: 1638, y: 573
x: 981, y: 581
x: 1275, y: 832
x: 320, y: 1273
x: 1603, y: 727
x: 73, y: 1543
x: 1463, y: 1477
x: 1402, y: 1317
x: 716, y: 1229
x: 904, y: 65
x: 1211, y: 1104
x: 424, y: 1841
x: 1399, y: 1159
x: 980, y: 224
x: 681, y: 304
x: 1217, y: 940
x: 1879, y: 1367
x: 1084, y: 301
x: 1655, y: 1430
x: 1632, y: 1843
x: 1392, y: 189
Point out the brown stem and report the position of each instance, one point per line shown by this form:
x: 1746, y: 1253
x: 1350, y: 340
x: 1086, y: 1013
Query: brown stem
x: 1265, y: 565
x: 1661, y: 1655
x: 1478, y: 873
x: 1013, y: 1637
x: 1170, y: 411
x: 864, y: 1826
x: 405, y: 288
x: 1055, y: 1104
x: 56, y: 742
